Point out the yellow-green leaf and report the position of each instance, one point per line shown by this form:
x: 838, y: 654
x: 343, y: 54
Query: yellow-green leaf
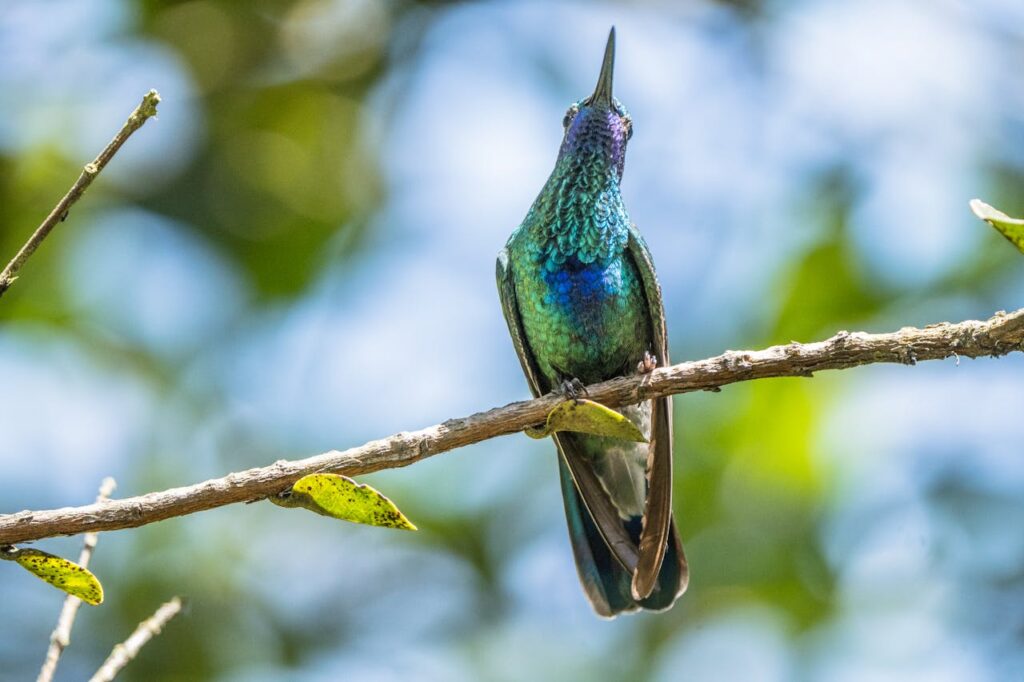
x: 342, y: 498
x: 1011, y: 228
x: 586, y: 416
x: 61, y: 573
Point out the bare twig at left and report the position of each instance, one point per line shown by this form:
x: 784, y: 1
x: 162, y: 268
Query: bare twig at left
x: 142, y: 113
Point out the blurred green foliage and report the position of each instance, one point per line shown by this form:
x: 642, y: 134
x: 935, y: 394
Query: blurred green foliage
x: 284, y: 184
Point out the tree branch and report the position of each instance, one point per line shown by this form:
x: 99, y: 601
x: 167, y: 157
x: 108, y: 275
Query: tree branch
x: 997, y: 336
x: 142, y: 113
x: 61, y: 636
x: 148, y: 629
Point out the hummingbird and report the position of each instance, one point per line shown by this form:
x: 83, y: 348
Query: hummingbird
x: 583, y: 304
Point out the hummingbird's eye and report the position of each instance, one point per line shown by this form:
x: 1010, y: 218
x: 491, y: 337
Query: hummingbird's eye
x: 569, y: 116
x: 628, y: 122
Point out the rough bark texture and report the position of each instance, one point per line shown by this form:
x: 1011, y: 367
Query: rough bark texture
x: 997, y: 336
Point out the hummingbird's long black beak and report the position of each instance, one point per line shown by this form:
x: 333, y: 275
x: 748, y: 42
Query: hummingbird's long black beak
x: 603, y: 91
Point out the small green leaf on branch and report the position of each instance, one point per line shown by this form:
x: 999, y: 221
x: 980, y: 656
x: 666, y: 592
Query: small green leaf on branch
x: 586, y: 416
x: 342, y: 498
x: 63, y: 574
x: 1011, y: 228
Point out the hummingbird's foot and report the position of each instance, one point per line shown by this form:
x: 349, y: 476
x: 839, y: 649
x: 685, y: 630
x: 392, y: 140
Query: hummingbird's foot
x: 572, y: 389
x: 647, y: 364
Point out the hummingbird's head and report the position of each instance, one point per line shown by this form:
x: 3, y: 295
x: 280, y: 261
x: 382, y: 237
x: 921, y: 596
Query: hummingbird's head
x: 598, y: 127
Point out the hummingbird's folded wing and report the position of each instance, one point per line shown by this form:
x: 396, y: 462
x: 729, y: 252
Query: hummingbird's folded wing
x: 596, y: 499
x: 658, y: 527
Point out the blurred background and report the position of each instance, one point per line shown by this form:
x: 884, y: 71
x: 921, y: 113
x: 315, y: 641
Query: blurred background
x: 298, y: 255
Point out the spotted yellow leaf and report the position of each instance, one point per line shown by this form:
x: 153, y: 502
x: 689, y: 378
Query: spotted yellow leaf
x: 342, y: 498
x: 586, y: 416
x: 61, y: 573
x: 1011, y: 228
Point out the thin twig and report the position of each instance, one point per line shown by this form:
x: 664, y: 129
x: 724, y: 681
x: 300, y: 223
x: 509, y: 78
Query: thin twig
x: 996, y: 336
x: 148, y: 629
x: 61, y: 636
x: 142, y: 113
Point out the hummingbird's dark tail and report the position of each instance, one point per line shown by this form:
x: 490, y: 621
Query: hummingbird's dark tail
x: 604, y: 579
